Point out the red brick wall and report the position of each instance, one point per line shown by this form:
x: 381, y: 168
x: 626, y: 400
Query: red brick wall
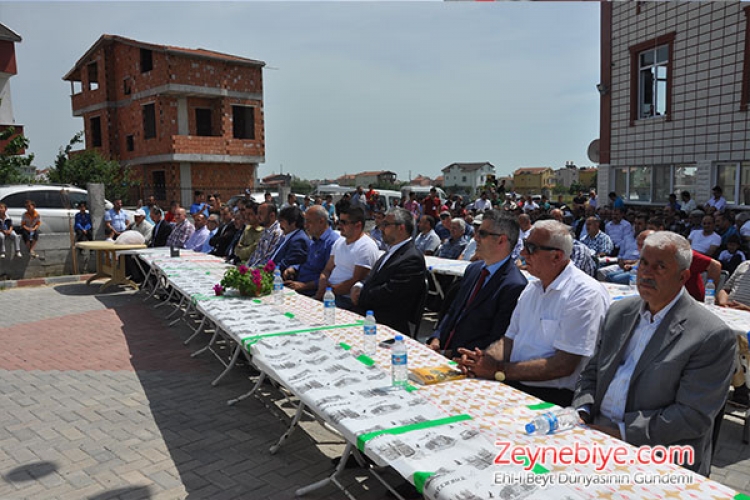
x: 7, y: 57
x: 225, y: 179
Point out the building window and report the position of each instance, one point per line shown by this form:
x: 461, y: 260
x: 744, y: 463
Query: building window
x: 662, y: 183
x: 243, y: 122
x: 684, y: 179
x: 96, y: 131
x: 159, y: 180
x: 130, y: 142
x: 203, y: 121
x: 651, y: 73
x: 149, y: 121
x: 93, y: 74
x: 126, y: 85
x: 734, y: 179
x: 463, y: 178
x: 147, y: 61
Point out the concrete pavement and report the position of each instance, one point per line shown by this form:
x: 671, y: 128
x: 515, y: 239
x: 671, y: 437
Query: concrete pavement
x: 100, y: 399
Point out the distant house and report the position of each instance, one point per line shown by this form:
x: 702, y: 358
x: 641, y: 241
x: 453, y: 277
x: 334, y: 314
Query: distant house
x: 346, y: 180
x: 8, y: 39
x: 380, y: 177
x: 469, y: 175
x: 533, y: 180
x: 179, y: 119
x: 439, y: 181
x: 276, y: 180
x: 566, y: 176
x: 421, y: 180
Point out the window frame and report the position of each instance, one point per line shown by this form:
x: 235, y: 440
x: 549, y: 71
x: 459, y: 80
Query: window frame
x: 147, y: 134
x: 244, y: 136
x: 635, y: 74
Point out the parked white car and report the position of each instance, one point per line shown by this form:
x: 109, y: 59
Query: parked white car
x: 56, y: 204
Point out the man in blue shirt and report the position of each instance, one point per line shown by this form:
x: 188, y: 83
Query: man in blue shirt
x: 200, y: 205
x: 83, y: 224
x: 116, y: 219
x: 304, y: 277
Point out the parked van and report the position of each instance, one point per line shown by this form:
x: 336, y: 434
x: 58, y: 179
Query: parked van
x: 423, y: 191
x: 334, y: 190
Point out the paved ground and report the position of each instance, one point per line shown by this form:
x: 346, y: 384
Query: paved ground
x: 99, y: 399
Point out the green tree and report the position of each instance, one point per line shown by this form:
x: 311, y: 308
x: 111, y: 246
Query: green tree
x: 89, y: 165
x: 301, y: 186
x: 12, y: 164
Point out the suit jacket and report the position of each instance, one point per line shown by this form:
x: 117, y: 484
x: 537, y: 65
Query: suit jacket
x: 160, y: 235
x: 488, y: 316
x: 292, y: 250
x: 394, y: 290
x: 680, y: 383
x: 222, y: 239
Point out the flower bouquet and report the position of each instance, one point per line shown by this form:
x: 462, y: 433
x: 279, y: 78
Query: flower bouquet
x: 250, y: 282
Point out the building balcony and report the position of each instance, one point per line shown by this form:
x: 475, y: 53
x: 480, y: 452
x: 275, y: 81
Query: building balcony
x: 216, y: 145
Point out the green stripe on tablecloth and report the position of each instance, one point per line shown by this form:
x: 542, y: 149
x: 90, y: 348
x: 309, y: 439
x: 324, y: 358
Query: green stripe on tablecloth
x: 252, y: 340
x: 345, y: 346
x: 289, y: 315
x: 365, y: 360
x: 420, y: 478
x: 364, y: 438
x: 540, y: 406
x: 741, y: 496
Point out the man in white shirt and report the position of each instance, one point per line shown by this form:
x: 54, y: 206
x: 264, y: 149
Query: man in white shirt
x: 705, y: 240
x: 427, y: 240
x: 482, y: 203
x: 618, y: 229
x: 554, y: 327
x: 352, y: 257
x: 141, y: 224
x: 716, y: 204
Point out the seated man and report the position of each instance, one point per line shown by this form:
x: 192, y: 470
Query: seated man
x: 395, y: 285
x: 620, y: 273
x: 481, y: 311
x: 455, y: 245
x: 83, y: 224
x: 736, y: 291
x: 270, y: 239
x: 427, y: 240
x: 6, y: 230
x: 200, y: 235
x: 182, y: 231
x: 352, y: 257
x: 554, y: 327
x: 598, y: 242
x: 141, y: 225
x: 303, y: 278
x: 225, y: 234
x: 162, y: 229
x: 295, y: 244
x: 662, y: 367
x: 248, y: 233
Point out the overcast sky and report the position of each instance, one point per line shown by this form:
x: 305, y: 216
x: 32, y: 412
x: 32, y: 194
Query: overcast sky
x: 401, y: 86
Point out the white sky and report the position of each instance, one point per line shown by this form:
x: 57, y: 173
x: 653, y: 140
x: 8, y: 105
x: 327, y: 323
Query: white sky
x: 401, y: 86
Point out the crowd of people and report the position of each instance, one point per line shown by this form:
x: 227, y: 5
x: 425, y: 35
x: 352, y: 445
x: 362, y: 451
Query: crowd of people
x: 649, y: 369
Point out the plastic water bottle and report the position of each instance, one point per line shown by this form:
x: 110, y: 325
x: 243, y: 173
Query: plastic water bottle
x: 370, y: 342
x: 278, y: 288
x: 552, y: 422
x: 399, y: 363
x: 710, y: 297
x: 633, y: 278
x: 329, y: 307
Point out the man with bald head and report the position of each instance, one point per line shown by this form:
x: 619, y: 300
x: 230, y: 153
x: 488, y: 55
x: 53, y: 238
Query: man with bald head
x: 304, y: 277
x: 183, y: 229
x: 554, y: 327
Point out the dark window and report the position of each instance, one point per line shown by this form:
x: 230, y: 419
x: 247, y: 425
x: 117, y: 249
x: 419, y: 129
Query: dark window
x: 149, y: 121
x: 96, y: 131
x: 93, y: 76
x: 243, y: 122
x: 126, y: 85
x: 46, y: 199
x: 160, y: 184
x: 16, y: 200
x: 651, y: 78
x: 129, y: 143
x: 202, y: 121
x: 147, y: 61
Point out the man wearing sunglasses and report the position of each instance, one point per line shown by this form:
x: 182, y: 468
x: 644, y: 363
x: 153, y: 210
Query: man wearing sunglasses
x: 554, y: 327
x: 394, y: 288
x: 489, y: 290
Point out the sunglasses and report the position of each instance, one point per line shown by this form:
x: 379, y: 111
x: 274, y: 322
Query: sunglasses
x: 532, y: 248
x: 483, y: 233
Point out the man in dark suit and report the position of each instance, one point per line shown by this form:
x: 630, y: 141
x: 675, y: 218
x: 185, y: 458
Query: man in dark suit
x: 225, y: 234
x: 162, y: 229
x: 395, y: 284
x: 481, y: 311
x: 662, y: 367
x: 295, y: 243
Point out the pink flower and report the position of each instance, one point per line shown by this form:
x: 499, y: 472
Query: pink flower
x: 218, y: 289
x: 243, y: 269
x: 255, y: 274
x: 269, y: 267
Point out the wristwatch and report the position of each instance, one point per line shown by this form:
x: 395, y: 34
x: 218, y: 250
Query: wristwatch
x: 500, y: 376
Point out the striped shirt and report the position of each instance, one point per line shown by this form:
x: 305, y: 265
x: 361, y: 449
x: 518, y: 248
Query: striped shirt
x: 738, y: 285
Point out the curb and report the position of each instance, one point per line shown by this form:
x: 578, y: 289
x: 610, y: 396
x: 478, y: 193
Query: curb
x: 51, y: 280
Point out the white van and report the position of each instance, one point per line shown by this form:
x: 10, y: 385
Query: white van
x: 423, y: 191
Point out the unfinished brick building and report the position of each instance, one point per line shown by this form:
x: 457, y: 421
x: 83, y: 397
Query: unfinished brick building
x: 179, y: 119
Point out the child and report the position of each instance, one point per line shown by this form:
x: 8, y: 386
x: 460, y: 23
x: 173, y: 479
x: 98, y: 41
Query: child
x: 6, y: 230
x: 30, y: 222
x: 732, y: 256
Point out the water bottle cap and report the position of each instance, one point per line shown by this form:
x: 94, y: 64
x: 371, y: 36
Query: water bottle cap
x: 328, y: 289
x: 369, y: 313
x: 530, y: 428
x: 399, y: 338
x: 710, y: 281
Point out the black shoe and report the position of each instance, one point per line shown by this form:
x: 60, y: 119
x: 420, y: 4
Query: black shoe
x: 740, y: 397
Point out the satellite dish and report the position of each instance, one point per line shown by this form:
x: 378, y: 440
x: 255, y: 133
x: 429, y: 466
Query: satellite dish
x: 593, y: 151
